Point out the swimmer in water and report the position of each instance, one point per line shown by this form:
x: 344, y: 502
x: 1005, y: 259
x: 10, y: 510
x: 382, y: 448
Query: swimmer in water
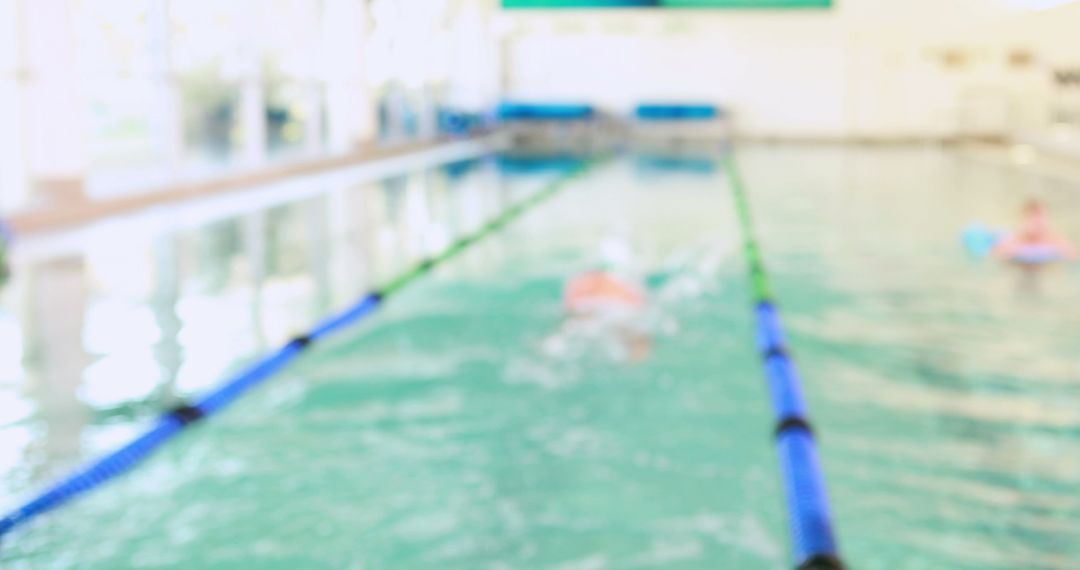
x: 598, y: 291
x: 607, y: 307
x: 5, y: 241
x: 606, y: 310
x: 1035, y: 239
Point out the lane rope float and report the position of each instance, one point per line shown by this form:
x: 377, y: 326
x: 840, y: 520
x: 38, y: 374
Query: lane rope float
x: 173, y: 422
x: 813, y: 540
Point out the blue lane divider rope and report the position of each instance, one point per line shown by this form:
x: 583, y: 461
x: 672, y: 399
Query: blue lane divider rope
x: 813, y: 541
x: 172, y: 423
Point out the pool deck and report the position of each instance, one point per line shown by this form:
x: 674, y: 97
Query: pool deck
x: 75, y: 213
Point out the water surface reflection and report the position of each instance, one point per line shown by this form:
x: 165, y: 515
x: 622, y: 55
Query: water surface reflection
x: 127, y: 319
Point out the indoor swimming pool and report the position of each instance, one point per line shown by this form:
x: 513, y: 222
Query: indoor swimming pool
x: 468, y: 424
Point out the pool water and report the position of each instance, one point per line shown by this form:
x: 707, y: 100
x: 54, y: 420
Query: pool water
x: 443, y: 432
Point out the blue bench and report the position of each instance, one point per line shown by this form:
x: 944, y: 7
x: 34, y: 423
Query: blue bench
x: 513, y: 111
x: 677, y: 112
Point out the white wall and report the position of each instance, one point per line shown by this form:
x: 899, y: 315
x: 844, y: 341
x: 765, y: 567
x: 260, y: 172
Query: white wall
x: 867, y: 68
x: 795, y: 62
x: 13, y: 187
x: 1053, y: 109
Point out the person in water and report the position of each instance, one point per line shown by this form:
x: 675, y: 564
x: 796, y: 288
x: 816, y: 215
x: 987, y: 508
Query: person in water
x: 1034, y: 241
x: 5, y: 242
x: 597, y: 291
x: 606, y: 309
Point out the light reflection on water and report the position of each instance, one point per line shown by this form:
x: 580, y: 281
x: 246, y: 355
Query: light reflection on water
x: 132, y: 319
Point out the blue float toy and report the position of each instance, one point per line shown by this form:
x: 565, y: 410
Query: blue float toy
x: 979, y: 240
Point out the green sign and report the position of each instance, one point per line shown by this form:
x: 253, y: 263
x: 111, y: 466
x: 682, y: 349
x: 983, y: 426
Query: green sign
x: 755, y: 4
x: 579, y: 3
x: 717, y: 4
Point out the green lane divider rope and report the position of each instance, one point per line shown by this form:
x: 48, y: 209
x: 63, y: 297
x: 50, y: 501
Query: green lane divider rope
x: 492, y: 226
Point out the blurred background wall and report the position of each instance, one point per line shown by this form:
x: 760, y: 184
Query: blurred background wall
x: 865, y: 69
x: 105, y: 97
x: 102, y: 98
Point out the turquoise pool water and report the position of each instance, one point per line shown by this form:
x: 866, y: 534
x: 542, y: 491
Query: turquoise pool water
x: 445, y: 432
